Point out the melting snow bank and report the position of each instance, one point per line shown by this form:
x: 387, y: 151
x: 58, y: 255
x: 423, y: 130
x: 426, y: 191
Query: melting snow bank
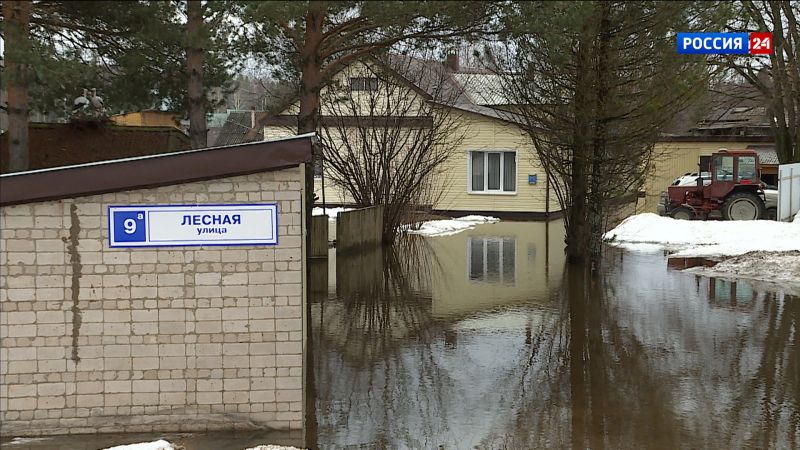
x: 164, y: 445
x: 331, y: 212
x: 688, y: 238
x: 272, y: 447
x: 451, y: 226
x: 775, y: 267
x: 155, y: 445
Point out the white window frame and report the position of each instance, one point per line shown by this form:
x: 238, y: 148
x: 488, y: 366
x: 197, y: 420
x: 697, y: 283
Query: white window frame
x: 485, y: 240
x: 488, y: 191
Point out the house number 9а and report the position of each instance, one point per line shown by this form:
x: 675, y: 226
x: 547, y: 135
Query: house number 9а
x: 130, y: 224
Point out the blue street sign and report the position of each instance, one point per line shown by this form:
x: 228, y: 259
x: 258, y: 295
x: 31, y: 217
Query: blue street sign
x: 191, y: 225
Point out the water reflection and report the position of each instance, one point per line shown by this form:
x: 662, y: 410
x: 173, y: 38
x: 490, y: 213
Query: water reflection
x: 495, y: 265
x: 462, y: 342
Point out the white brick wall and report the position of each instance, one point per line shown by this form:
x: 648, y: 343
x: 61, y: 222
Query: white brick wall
x: 154, y: 339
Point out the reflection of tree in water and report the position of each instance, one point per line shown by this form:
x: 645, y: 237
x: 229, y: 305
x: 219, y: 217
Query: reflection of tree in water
x: 373, y: 340
x: 686, y: 371
x: 590, y: 380
x: 584, y: 381
x: 765, y: 409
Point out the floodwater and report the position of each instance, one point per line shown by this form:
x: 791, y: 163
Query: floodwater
x: 482, y: 339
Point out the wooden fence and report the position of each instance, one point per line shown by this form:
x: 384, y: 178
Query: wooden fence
x: 359, y: 228
x: 319, y: 236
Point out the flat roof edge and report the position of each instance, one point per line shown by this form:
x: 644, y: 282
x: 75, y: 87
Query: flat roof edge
x: 155, y: 170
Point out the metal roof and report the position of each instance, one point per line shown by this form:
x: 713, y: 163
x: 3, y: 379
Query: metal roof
x: 767, y: 155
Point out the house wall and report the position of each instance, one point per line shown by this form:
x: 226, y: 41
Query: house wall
x: 675, y: 159
x: 487, y: 134
x: 331, y: 95
x: 99, y: 339
x: 480, y: 133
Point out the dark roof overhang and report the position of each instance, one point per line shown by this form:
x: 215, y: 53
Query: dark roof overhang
x: 154, y: 170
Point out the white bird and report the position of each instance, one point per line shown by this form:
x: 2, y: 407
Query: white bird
x: 97, y: 102
x: 81, y: 102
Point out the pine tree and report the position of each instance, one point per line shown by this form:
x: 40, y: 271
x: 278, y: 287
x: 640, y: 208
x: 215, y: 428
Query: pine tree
x: 133, y: 52
x: 595, y: 83
x: 16, y: 21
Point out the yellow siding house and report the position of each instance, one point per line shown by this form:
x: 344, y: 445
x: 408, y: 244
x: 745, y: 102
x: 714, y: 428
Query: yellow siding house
x: 492, y: 169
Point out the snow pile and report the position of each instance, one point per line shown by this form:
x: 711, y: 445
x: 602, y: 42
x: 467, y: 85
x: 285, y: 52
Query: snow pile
x: 272, y: 447
x: 781, y: 267
x: 155, y: 445
x: 705, y: 238
x: 452, y: 226
x: 331, y: 212
x: 28, y: 440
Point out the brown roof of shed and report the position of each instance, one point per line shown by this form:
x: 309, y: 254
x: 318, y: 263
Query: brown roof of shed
x: 63, y: 144
x: 154, y: 170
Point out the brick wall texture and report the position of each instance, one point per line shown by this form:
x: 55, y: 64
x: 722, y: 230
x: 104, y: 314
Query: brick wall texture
x: 95, y: 339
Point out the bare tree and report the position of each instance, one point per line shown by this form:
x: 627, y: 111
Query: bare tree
x: 386, y: 136
x: 776, y: 76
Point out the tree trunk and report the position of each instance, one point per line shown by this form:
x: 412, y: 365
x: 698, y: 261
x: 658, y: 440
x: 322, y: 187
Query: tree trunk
x: 310, y: 86
x: 17, y: 16
x: 194, y: 64
x: 308, y: 122
x: 311, y: 80
x: 578, y: 233
x: 597, y: 196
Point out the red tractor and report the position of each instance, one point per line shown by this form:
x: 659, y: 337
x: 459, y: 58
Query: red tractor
x: 734, y: 191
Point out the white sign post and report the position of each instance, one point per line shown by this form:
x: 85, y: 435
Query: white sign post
x: 192, y: 225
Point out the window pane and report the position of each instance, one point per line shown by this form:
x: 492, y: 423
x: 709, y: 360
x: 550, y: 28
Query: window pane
x: 475, y: 259
x: 724, y: 168
x: 364, y: 84
x: 477, y: 171
x: 509, y: 172
x: 373, y: 84
x: 492, y: 260
x: 357, y: 84
x: 747, y: 168
x: 494, y: 171
x: 509, y: 260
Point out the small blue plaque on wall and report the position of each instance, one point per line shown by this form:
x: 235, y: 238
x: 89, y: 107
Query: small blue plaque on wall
x: 531, y: 179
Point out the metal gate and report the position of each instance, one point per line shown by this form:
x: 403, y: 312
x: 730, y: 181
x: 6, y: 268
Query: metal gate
x: 788, y: 191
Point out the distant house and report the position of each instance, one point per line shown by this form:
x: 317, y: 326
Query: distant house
x: 148, y: 118
x: 235, y: 128
x: 733, y: 117
x: 63, y: 144
x: 493, y: 170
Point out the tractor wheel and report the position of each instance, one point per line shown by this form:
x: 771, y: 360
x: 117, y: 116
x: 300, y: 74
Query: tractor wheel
x: 682, y: 213
x: 772, y: 214
x: 742, y: 206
